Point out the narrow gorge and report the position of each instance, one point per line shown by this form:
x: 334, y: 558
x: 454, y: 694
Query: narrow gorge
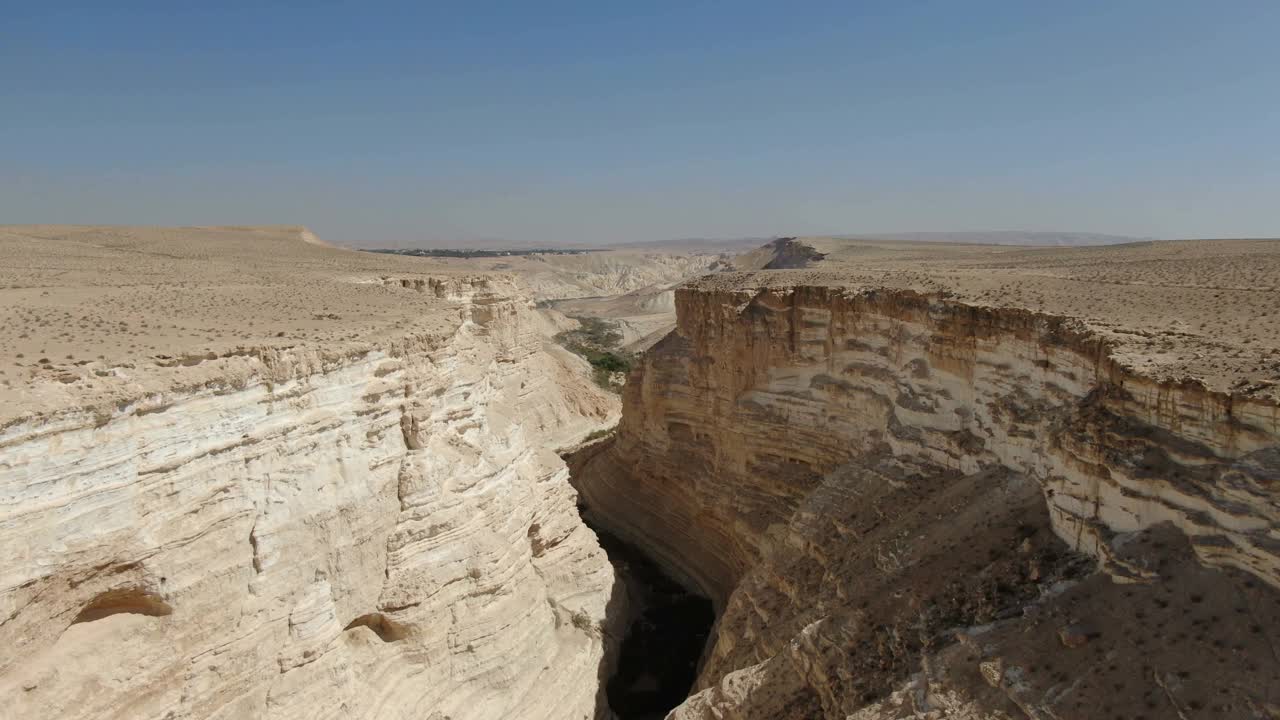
x: 354, y: 486
x: 640, y: 361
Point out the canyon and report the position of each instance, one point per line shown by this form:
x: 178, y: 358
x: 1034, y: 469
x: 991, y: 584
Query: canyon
x: 245, y: 474
x: 916, y: 504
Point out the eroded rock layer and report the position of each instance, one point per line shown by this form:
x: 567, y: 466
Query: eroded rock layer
x: 380, y: 533
x: 899, y: 503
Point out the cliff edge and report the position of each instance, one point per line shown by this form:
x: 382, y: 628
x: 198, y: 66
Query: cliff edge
x: 909, y: 501
x: 246, y: 475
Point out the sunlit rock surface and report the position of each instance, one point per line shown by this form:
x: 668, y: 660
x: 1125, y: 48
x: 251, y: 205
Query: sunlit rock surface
x: 375, y: 529
x: 909, y: 506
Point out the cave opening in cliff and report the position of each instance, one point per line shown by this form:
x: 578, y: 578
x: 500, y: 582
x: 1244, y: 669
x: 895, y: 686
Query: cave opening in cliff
x: 666, y: 632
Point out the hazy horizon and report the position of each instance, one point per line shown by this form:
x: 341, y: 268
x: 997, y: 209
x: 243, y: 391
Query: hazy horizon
x: 577, y: 123
x: 966, y: 236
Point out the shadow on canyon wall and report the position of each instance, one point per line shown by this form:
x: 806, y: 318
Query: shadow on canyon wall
x: 666, y: 631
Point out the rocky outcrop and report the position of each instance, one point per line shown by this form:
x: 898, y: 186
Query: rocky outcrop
x: 786, y: 253
x: 897, y: 504
x: 303, y: 532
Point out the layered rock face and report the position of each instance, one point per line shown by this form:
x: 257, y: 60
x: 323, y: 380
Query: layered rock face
x: 780, y: 254
x: 900, y: 505
x: 298, y: 533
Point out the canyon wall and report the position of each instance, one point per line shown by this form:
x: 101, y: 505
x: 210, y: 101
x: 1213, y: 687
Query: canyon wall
x: 899, y: 505
x: 306, y: 532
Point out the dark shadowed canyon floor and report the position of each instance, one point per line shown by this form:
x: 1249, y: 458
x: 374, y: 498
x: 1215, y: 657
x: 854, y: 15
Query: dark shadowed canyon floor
x: 665, y: 636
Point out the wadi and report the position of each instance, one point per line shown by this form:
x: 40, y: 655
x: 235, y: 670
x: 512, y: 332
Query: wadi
x: 245, y: 473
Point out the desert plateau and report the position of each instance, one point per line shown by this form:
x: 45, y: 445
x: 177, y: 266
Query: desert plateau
x: 247, y: 473
x: 640, y: 361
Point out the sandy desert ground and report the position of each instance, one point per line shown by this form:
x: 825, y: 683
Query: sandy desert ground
x: 82, y: 305
x: 85, y: 310
x: 1202, y: 309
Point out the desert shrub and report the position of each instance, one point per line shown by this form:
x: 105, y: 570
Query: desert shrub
x: 597, y: 434
x: 597, y: 340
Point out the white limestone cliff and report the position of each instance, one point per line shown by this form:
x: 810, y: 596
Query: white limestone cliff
x: 312, y: 533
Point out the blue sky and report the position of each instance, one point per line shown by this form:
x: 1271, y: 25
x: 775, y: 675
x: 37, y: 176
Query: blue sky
x: 430, y: 122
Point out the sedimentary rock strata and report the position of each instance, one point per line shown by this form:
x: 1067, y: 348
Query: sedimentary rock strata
x: 247, y: 475
x: 904, y: 505
x: 376, y: 529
